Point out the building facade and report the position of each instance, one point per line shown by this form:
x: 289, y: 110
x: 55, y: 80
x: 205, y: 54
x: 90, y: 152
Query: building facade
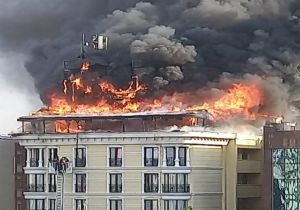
x: 153, y: 170
x: 281, y: 163
x: 132, y: 171
x: 249, y: 173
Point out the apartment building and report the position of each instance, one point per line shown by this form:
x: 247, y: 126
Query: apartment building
x: 249, y: 173
x: 281, y: 162
x: 125, y: 168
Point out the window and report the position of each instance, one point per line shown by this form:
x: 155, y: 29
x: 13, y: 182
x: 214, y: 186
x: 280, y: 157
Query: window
x: 176, y: 183
x: 115, y: 156
x: 151, y: 156
x: 51, y: 182
x: 51, y: 204
x: 151, y: 182
x: 242, y: 179
x: 52, y: 154
x: 175, y: 204
x: 80, y: 157
x: 182, y: 156
x: 80, y: 204
x: 80, y: 185
x: 115, y: 184
x: 34, y: 154
x: 35, y: 183
x: 35, y: 204
x: 170, y: 153
x: 115, y: 204
x: 150, y: 204
x: 243, y: 154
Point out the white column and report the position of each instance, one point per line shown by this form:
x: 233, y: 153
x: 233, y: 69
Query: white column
x: 40, y: 157
x: 27, y: 157
x: 164, y: 163
x: 188, y: 161
x: 177, y: 156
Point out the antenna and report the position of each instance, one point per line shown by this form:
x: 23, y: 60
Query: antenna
x: 83, y: 43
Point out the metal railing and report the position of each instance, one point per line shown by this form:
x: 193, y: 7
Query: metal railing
x: 80, y: 162
x: 35, y: 188
x: 51, y: 188
x: 151, y: 161
x: 182, y: 161
x: 80, y: 187
x: 170, y: 161
x: 114, y: 188
x: 175, y: 188
x: 115, y: 161
x: 34, y: 163
x: 151, y: 188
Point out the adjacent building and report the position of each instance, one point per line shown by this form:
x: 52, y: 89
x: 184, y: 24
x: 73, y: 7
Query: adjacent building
x: 281, y: 167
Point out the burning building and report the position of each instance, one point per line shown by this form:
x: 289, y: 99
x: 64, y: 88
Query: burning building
x: 98, y: 146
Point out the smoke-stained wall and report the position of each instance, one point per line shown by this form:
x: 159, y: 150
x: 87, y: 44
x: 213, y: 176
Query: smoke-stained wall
x: 194, y: 46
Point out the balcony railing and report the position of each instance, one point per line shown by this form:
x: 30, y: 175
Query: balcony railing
x: 51, y: 188
x: 34, y: 163
x: 80, y: 162
x: 35, y: 188
x: 115, y: 188
x: 175, y: 188
x: 170, y: 161
x: 53, y: 167
x: 115, y: 161
x: 80, y: 188
x: 151, y: 188
x: 151, y: 162
x: 182, y: 161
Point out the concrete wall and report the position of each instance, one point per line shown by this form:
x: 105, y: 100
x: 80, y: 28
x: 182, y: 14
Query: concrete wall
x: 7, y: 189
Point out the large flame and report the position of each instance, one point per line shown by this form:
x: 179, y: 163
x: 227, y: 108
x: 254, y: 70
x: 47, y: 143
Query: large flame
x: 240, y: 100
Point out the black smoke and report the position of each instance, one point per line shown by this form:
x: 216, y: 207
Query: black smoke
x: 174, y: 45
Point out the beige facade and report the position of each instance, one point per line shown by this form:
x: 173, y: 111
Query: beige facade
x: 249, y: 174
x: 196, y: 169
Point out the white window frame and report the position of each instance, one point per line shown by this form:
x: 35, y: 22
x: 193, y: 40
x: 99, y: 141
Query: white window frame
x: 80, y: 198
x: 108, y: 180
x: 151, y: 198
x: 143, y: 155
x: 86, y: 155
x: 108, y: 156
x: 143, y: 181
x: 114, y: 198
x: 86, y: 180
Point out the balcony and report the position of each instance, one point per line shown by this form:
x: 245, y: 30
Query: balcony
x: 249, y: 166
x: 80, y: 188
x: 248, y: 191
x: 175, y: 188
x: 51, y: 188
x: 115, y: 162
x: 151, y: 162
x: 34, y: 163
x: 35, y: 188
x: 182, y: 161
x: 150, y: 188
x: 170, y: 161
x: 54, y: 167
x: 80, y: 162
x: 115, y: 188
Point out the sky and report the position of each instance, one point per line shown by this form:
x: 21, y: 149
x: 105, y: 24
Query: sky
x: 180, y: 45
x: 17, y: 94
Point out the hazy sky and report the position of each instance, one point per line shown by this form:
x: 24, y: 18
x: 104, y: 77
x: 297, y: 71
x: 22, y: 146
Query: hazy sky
x: 17, y: 94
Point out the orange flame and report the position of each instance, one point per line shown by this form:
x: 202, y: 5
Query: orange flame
x: 242, y: 100
x: 85, y: 66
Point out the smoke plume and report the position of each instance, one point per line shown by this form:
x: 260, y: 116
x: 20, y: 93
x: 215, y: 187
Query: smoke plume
x: 182, y: 46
